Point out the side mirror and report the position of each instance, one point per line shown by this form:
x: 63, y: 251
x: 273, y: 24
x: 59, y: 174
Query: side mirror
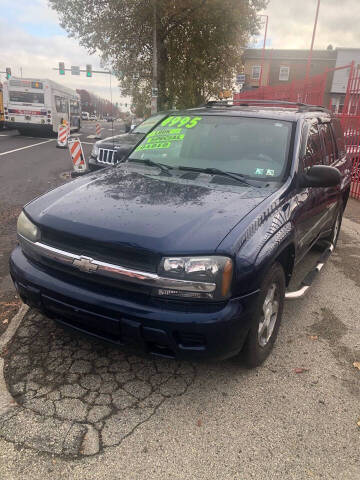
x: 320, y: 176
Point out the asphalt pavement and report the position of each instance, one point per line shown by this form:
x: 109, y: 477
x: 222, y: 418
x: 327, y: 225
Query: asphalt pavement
x: 82, y: 410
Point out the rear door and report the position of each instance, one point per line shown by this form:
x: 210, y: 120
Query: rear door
x: 331, y: 158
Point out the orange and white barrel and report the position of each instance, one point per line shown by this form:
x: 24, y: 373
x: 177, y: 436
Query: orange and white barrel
x: 98, y: 131
x: 63, y: 135
x: 77, y: 155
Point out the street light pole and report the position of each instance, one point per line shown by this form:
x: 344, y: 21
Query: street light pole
x: 154, y: 92
x: 263, y: 50
x: 312, y: 40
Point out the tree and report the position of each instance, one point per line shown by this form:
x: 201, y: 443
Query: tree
x: 199, y: 43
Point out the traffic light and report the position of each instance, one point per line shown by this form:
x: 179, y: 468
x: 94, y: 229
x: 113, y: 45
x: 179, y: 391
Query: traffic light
x: 88, y: 70
x: 8, y: 73
x: 62, y: 68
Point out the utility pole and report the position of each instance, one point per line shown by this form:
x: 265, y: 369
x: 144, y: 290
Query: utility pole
x: 263, y: 50
x: 154, y: 90
x: 312, y: 40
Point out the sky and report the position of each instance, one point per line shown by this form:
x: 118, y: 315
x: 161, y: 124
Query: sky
x: 31, y: 38
x: 291, y: 23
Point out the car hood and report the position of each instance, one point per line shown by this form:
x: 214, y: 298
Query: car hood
x: 123, y: 141
x: 137, y: 207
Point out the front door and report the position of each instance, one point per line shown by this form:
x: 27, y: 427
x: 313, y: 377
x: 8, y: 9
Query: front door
x: 311, y: 212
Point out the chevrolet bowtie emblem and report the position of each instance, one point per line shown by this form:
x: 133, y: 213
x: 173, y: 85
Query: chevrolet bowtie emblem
x: 85, y: 264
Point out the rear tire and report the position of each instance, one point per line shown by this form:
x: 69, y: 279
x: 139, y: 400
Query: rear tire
x: 335, y: 230
x: 267, y: 318
x: 333, y: 238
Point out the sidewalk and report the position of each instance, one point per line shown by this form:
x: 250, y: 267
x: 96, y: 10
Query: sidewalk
x: 353, y: 210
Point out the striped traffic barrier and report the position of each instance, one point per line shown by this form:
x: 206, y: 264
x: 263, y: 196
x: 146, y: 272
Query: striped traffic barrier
x: 98, y: 131
x: 77, y: 156
x: 63, y: 135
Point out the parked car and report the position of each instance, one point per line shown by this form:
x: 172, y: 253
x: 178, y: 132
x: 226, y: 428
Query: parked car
x: 112, y: 150
x: 85, y: 116
x: 186, y: 249
x: 93, y: 117
x: 135, y: 122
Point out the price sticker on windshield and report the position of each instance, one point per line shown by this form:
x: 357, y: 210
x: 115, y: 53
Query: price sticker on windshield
x: 181, y: 121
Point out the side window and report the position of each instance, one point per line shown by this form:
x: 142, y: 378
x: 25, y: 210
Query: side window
x: 328, y: 142
x: 255, y: 72
x: 61, y: 104
x: 313, y: 152
x: 339, y: 136
x: 58, y: 104
x: 284, y: 74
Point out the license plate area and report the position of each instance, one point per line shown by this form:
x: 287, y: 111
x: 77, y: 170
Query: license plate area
x: 84, y: 318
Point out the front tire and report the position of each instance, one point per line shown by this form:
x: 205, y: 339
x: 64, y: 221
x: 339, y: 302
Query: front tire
x: 267, y: 318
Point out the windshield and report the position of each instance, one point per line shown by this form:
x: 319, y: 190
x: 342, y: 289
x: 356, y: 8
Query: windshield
x: 26, y: 97
x: 148, y: 124
x: 254, y: 147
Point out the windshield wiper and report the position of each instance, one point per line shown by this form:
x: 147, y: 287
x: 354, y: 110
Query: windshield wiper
x: 146, y: 161
x: 216, y: 171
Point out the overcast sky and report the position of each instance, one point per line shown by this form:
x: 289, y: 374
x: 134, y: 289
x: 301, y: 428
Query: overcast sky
x: 291, y: 23
x: 30, y: 37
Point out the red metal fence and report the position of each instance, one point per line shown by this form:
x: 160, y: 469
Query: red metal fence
x: 309, y: 91
x: 350, y: 121
x: 312, y: 91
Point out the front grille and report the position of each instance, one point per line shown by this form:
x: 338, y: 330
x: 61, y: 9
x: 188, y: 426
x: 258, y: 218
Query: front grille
x: 119, y: 254
x: 107, y: 156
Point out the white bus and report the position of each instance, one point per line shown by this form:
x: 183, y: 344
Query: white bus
x: 40, y: 105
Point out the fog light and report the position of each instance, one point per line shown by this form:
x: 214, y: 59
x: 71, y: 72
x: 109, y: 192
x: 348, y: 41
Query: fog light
x: 162, y: 292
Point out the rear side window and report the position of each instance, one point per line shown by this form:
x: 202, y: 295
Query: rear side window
x: 328, y: 143
x: 339, y: 136
x: 61, y: 104
x: 313, y: 152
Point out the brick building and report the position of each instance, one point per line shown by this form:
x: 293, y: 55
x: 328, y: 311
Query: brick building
x: 284, y: 66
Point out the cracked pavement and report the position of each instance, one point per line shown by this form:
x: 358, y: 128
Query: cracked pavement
x: 87, y: 396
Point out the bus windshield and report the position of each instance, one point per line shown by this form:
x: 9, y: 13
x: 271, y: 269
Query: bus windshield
x: 26, y: 97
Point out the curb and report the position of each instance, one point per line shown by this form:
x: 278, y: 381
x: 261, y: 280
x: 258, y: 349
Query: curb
x: 13, y: 326
x: 6, y: 400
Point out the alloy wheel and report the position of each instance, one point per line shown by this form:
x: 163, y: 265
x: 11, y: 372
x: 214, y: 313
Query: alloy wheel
x: 269, y: 315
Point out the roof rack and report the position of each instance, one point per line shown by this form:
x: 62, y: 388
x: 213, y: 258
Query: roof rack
x: 302, y: 107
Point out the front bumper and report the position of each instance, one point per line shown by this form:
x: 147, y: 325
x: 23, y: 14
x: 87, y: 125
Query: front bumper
x: 95, y: 165
x: 184, y: 331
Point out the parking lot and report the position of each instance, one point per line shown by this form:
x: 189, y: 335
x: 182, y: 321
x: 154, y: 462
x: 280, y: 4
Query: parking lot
x: 84, y: 410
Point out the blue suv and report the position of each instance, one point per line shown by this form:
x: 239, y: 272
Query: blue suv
x: 186, y: 249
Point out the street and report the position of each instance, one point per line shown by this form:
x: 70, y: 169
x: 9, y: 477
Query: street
x: 84, y: 410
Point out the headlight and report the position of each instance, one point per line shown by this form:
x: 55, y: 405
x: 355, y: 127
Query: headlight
x: 95, y: 150
x: 27, y: 229
x: 214, y: 271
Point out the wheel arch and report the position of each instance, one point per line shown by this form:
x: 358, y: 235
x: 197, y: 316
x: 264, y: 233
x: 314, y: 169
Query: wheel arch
x: 279, y: 248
